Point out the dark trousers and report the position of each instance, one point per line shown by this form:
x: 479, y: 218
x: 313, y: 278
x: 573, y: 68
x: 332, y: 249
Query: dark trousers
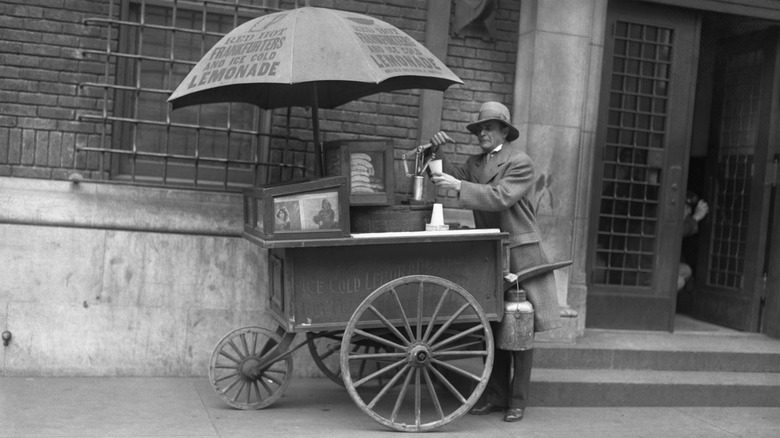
x: 510, y: 382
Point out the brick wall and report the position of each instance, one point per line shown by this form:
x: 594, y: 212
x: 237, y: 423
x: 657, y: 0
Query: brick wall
x: 42, y: 62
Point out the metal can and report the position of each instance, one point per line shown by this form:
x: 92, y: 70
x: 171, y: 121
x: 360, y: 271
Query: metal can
x: 516, y: 330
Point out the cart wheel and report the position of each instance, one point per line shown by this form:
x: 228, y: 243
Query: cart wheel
x: 325, y: 346
x: 245, y: 369
x: 439, y: 353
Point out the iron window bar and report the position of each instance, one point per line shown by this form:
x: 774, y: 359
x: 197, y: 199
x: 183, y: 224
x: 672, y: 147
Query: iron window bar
x: 129, y: 43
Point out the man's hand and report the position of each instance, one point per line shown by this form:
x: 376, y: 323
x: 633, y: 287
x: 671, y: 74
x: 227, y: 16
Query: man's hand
x: 701, y: 210
x: 446, y: 181
x: 439, y: 139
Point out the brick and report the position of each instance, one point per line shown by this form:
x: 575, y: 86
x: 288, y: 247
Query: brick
x: 55, y: 149
x: 6, y: 170
x: 41, y: 148
x: 36, y: 123
x: 31, y: 172
x: 56, y: 113
x: 4, y: 133
x: 17, y: 110
x: 67, y: 151
x: 19, y: 85
x: 14, y: 146
x: 37, y: 99
x: 28, y: 147
x: 8, y: 121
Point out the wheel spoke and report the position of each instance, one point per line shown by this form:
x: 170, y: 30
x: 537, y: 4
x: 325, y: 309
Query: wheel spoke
x: 432, y: 391
x: 366, y: 356
x: 229, y: 387
x: 460, y: 335
x: 455, y: 369
x: 226, y: 367
x: 464, y: 354
x: 404, y: 318
x: 247, y: 352
x: 379, y: 373
x: 420, y: 290
x: 448, y: 385
x: 387, y: 387
x: 229, y: 376
x: 461, y: 346
x: 237, y: 350
x: 449, y: 322
x: 435, y: 315
x: 381, y: 340
x: 401, y: 394
x: 230, y: 357
x: 388, y: 324
x: 417, y: 397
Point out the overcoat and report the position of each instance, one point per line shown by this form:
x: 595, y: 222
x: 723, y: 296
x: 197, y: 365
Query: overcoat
x: 496, y: 189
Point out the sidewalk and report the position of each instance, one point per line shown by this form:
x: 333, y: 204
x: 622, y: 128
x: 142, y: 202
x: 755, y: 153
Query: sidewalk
x: 184, y: 407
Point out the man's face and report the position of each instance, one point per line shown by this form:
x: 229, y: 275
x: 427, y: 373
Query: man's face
x: 491, y: 135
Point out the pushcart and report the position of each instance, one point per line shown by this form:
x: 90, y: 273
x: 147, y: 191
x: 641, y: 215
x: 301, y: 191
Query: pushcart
x: 401, y: 320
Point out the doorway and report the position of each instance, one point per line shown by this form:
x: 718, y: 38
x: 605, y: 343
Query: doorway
x: 695, y: 110
x: 732, y: 256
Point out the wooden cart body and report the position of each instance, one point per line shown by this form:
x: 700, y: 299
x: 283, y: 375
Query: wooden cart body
x: 317, y: 284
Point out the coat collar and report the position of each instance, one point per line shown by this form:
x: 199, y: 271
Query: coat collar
x: 488, y: 169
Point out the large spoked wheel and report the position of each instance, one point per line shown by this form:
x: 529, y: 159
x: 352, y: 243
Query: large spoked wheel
x: 438, y: 359
x: 326, y: 346
x: 245, y: 368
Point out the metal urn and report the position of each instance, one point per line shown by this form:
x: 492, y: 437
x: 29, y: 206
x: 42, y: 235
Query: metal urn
x: 516, y: 330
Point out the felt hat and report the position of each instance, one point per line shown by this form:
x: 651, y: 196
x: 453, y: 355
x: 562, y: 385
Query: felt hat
x: 494, y: 111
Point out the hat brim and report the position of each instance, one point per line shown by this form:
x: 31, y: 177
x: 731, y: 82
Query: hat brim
x: 475, y: 129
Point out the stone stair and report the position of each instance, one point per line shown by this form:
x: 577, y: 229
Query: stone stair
x: 638, y: 368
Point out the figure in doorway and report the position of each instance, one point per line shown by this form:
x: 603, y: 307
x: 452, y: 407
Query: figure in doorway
x: 695, y: 210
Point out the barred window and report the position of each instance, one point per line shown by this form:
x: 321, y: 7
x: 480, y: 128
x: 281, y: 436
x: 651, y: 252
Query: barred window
x: 151, y: 45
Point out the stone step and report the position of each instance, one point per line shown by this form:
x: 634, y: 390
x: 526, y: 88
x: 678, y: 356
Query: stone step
x: 626, y: 350
x: 634, y: 368
x: 590, y: 387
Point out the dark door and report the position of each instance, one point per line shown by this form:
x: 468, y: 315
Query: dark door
x: 643, y: 140
x: 737, y: 263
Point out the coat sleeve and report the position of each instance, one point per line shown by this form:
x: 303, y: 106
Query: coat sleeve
x: 504, y: 191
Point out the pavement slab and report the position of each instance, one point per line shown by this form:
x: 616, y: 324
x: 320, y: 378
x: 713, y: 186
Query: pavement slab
x: 119, y: 407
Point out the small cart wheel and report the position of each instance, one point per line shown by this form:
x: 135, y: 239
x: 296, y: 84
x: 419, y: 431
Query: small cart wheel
x: 325, y: 346
x: 439, y: 353
x: 246, y: 371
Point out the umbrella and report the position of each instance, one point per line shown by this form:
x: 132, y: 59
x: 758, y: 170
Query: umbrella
x: 311, y: 57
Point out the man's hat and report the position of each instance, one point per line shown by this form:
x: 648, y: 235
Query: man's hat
x: 494, y: 111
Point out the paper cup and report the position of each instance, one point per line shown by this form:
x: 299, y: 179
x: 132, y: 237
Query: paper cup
x: 435, y: 167
x: 437, y: 216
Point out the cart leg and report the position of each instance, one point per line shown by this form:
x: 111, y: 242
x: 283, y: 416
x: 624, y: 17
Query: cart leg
x: 246, y: 370
x: 439, y: 353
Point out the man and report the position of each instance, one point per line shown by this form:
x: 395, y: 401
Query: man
x: 495, y: 185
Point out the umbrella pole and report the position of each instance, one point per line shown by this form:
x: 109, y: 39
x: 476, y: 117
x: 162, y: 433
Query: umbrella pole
x: 315, y: 122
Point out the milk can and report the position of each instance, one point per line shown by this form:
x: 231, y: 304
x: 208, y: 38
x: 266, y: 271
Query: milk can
x: 516, y: 330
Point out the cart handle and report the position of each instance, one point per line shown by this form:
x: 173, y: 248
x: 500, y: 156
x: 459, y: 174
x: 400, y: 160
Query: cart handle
x: 511, y: 280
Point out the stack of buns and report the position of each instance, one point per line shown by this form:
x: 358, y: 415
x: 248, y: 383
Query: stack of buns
x: 362, y: 175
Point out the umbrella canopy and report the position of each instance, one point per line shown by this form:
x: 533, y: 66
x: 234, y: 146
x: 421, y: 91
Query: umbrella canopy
x: 311, y: 57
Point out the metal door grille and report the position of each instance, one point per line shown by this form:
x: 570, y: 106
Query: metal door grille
x: 632, y: 155
x: 737, y: 142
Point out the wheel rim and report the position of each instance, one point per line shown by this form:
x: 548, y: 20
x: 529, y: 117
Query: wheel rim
x: 243, y: 370
x: 439, y: 353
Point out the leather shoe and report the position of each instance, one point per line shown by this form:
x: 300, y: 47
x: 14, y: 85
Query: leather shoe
x: 514, y: 414
x: 484, y: 409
